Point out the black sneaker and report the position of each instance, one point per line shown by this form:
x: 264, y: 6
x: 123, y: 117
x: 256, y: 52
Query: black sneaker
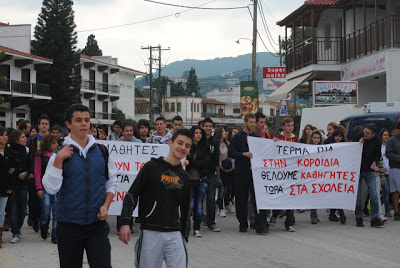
x: 242, y: 229
x: 343, y: 219
x: 376, y: 222
x: 314, y: 219
x: 43, y: 233
x: 54, y: 240
x: 35, y: 225
x: 333, y: 218
x: 359, y: 222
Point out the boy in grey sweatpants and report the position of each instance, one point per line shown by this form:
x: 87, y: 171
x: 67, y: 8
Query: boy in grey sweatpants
x: 164, y: 191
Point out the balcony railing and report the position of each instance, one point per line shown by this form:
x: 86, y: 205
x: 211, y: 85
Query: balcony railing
x: 13, y: 86
x: 99, y: 87
x: 342, y: 49
x: 219, y: 115
x: 111, y: 116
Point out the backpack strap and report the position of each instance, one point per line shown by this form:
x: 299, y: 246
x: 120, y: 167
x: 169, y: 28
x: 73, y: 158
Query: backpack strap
x: 105, y: 154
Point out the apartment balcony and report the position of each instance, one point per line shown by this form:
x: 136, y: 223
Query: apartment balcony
x: 102, y: 90
x: 100, y: 115
x: 337, y: 50
x: 25, y: 90
x: 218, y: 115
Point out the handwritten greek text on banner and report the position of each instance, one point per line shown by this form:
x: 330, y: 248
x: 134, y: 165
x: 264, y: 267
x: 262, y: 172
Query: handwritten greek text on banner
x: 129, y: 158
x: 290, y: 175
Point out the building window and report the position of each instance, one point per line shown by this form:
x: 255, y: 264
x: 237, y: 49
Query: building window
x: 198, y: 107
x: 166, y: 107
x: 172, y: 107
x: 2, y: 113
x: 271, y: 112
x: 236, y: 110
x: 260, y: 109
x: 20, y: 115
x: 328, y: 43
x: 179, y: 107
x: 3, y: 123
x: 191, y: 107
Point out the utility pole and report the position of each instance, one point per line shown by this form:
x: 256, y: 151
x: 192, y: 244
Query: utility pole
x: 254, y: 54
x: 153, y: 104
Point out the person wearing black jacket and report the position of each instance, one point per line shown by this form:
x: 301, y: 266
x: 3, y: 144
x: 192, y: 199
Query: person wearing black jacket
x: 164, y: 191
x: 370, y: 158
x: 196, y: 164
x: 23, y: 170
x: 6, y: 179
x: 213, y: 174
x: 239, y: 150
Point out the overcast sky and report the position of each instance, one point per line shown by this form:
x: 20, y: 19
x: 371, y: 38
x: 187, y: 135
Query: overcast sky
x: 194, y: 34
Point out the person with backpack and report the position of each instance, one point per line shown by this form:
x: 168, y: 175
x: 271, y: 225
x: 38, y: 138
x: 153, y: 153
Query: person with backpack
x: 117, y: 131
x: 48, y: 146
x: 84, y: 179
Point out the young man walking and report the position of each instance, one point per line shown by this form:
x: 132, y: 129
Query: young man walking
x: 239, y: 150
x: 162, y: 134
x: 213, y: 175
x: 371, y: 155
x: 143, y: 126
x: 116, y: 133
x: 164, y: 191
x: 33, y: 144
x: 77, y: 174
x: 127, y: 133
x: 177, y: 123
x: 286, y: 135
x: 393, y: 154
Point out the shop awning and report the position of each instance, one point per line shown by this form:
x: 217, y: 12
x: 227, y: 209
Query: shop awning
x: 289, y: 86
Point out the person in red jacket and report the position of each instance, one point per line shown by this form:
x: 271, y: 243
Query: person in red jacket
x: 286, y: 135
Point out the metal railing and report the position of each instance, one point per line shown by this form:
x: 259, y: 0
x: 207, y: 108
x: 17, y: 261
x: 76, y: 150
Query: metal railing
x: 100, y: 87
x: 346, y: 48
x: 218, y: 115
x: 13, y: 86
x: 99, y: 115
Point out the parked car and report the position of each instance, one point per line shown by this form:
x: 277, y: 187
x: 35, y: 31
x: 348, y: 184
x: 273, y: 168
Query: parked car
x: 381, y: 120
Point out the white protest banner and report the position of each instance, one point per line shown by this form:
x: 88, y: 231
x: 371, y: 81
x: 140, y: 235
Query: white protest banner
x: 290, y: 175
x: 129, y: 157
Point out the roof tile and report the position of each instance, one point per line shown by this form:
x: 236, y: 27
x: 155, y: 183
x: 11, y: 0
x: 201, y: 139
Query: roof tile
x: 17, y: 52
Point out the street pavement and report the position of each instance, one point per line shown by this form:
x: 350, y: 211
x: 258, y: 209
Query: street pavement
x: 326, y: 244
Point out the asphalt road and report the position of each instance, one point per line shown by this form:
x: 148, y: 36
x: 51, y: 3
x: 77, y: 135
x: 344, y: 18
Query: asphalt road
x: 326, y: 244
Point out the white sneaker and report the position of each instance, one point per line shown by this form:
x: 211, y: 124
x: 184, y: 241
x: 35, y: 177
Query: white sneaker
x: 222, y: 213
x: 290, y: 229
x: 229, y: 209
x: 15, y: 239
x: 197, y: 233
x: 383, y: 218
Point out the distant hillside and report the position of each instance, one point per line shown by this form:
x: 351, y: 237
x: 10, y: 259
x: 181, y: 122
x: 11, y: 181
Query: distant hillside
x: 219, y: 66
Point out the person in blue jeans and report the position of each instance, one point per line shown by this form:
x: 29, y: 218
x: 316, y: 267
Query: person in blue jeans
x: 213, y: 174
x: 48, y: 146
x: 18, y: 199
x: 371, y: 155
x: 196, y: 164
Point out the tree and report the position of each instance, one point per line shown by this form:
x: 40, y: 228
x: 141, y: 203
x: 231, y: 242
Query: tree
x: 192, y: 85
x: 120, y: 115
x: 176, y: 88
x: 92, y: 48
x: 138, y: 93
x: 56, y: 38
x: 299, y: 38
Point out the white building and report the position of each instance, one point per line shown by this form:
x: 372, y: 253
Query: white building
x: 105, y: 85
x: 20, y: 67
x: 353, y: 41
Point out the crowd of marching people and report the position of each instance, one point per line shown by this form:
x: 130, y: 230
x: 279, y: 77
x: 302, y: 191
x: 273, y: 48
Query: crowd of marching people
x: 218, y: 162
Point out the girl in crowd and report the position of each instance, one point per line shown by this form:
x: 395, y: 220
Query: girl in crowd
x: 316, y: 139
x: 232, y: 132
x: 337, y: 136
x: 332, y: 126
x: 33, y: 132
x: 6, y: 179
x: 196, y: 164
x: 226, y: 182
x: 48, y: 146
x: 23, y: 171
x: 306, y: 136
x: 384, y: 134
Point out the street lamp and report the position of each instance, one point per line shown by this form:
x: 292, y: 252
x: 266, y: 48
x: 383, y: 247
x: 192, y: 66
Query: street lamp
x: 238, y: 41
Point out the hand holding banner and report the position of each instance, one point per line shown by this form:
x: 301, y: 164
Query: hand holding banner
x: 291, y: 175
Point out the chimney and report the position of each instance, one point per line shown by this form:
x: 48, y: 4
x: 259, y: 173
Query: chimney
x: 168, y: 89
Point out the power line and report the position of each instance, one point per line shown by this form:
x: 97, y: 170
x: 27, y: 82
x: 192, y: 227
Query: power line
x: 126, y: 24
x: 207, y: 8
x: 266, y: 27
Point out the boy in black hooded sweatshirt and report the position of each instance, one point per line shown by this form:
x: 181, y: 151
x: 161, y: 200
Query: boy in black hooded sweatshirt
x: 164, y: 191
